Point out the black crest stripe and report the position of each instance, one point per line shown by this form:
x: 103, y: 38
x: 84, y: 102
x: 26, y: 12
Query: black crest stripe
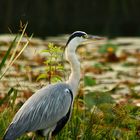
x: 75, y: 34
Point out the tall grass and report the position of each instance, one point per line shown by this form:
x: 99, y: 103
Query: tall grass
x: 7, y: 104
x: 105, y: 121
x: 14, y: 56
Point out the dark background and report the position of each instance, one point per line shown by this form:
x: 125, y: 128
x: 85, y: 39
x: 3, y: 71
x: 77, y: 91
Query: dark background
x: 53, y: 17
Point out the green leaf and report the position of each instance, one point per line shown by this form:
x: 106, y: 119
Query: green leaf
x: 42, y: 76
x: 7, y: 53
x: 60, y: 67
x: 56, y: 78
x: 45, y: 51
x: 13, y: 97
x: 98, y: 65
x: 88, y: 81
x: 48, y: 61
x: 7, y: 96
x: 10, y: 91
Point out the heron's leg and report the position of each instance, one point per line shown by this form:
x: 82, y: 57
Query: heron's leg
x: 49, y: 136
x: 33, y: 138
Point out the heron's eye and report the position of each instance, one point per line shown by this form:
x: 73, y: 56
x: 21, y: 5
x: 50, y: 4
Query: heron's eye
x: 84, y: 36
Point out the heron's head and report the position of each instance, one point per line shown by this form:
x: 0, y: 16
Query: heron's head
x: 77, y: 38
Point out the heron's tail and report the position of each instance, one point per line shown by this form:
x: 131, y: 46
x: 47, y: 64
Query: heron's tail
x: 6, y: 136
x: 11, y: 133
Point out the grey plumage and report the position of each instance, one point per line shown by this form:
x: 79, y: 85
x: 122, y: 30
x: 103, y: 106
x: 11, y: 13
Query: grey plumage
x: 41, y: 111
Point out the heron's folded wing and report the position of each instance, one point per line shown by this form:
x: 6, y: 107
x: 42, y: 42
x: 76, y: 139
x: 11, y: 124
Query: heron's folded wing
x: 52, y: 108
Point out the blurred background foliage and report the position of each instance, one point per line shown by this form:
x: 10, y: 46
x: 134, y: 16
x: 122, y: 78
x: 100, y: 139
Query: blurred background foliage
x: 53, y: 17
x: 108, y: 104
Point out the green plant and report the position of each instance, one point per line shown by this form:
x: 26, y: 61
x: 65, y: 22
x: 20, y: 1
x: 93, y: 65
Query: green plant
x: 54, y: 67
x: 108, y: 48
x: 88, y: 81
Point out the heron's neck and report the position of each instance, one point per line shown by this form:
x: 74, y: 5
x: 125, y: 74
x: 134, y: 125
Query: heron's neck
x: 74, y: 78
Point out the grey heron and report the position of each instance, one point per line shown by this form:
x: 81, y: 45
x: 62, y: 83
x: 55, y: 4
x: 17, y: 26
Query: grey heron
x: 49, y: 109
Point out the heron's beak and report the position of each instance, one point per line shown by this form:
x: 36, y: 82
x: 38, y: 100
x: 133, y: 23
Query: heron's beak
x: 91, y: 39
x: 94, y: 38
